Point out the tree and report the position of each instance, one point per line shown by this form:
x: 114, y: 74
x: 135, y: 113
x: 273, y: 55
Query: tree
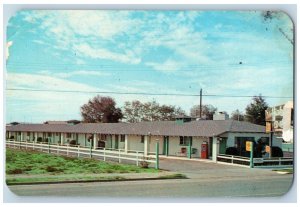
x: 255, y: 111
x: 101, y: 109
x: 207, y: 111
x: 237, y: 115
x: 136, y: 111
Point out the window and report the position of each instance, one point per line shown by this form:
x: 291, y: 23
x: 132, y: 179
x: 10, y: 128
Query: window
x: 185, y: 141
x: 28, y: 134
x: 68, y: 135
x: 142, y: 139
x: 122, y: 138
x: 49, y: 134
x: 56, y: 134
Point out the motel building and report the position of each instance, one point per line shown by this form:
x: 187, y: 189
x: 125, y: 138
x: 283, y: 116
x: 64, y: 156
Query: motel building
x: 184, y: 137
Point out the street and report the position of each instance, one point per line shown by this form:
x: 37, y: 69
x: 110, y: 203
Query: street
x: 205, y: 180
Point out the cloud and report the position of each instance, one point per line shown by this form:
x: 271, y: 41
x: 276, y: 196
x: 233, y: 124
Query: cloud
x: 100, y: 53
x: 74, y: 73
x: 168, y: 66
x: 76, y: 31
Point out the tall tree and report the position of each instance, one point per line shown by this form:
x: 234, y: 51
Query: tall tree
x: 133, y: 111
x: 207, y: 111
x: 255, y: 111
x: 237, y: 115
x: 136, y: 111
x: 101, y: 109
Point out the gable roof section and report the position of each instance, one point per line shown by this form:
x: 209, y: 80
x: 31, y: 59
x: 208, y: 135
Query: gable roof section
x: 206, y: 128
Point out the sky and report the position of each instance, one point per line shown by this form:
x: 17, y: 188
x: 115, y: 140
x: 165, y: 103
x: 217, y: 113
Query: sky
x: 58, y: 60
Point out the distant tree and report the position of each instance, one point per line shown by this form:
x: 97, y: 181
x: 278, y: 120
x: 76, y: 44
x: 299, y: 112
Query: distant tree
x: 255, y: 111
x: 133, y: 111
x: 101, y: 109
x: 237, y: 115
x: 136, y: 111
x: 207, y: 111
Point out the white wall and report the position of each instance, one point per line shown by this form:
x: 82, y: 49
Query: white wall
x: 175, y: 147
x: 134, y: 143
x: 152, y: 144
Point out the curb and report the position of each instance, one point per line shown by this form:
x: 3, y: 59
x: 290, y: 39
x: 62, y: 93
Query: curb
x: 92, y: 181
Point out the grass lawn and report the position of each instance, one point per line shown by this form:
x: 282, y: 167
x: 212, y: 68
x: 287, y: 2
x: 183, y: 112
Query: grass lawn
x: 286, y: 170
x: 30, y: 166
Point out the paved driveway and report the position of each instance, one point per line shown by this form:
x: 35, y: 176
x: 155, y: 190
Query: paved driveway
x: 209, y: 170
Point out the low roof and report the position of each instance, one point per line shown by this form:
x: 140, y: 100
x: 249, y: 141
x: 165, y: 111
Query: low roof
x: 206, y: 128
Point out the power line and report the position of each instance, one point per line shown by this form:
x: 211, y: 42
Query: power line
x: 140, y: 93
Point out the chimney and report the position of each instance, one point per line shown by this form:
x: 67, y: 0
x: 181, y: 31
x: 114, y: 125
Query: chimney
x: 222, y: 115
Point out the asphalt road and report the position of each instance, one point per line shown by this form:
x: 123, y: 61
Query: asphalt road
x: 205, y: 180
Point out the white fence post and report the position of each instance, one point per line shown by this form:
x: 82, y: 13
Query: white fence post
x: 33, y: 145
x: 137, y: 158
x: 119, y: 155
x: 78, y: 151
x: 57, y: 151
x: 231, y: 159
x: 279, y: 161
x: 67, y: 150
x: 104, y: 154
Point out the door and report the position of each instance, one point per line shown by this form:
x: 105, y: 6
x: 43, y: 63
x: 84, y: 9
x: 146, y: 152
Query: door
x: 116, y: 141
x: 166, y: 146
x: 222, y: 148
x: 101, y: 144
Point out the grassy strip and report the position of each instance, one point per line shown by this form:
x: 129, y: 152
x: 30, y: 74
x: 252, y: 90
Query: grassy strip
x: 73, y: 178
x: 173, y: 176
x: 14, y: 180
x: 33, y: 163
x: 287, y: 170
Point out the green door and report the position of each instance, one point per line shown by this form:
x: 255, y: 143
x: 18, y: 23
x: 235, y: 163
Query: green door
x: 166, y: 146
x: 116, y: 141
x: 222, y: 149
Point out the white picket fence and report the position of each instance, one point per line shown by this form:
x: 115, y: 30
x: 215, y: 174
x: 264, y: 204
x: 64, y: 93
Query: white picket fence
x: 258, y: 162
x: 79, y: 151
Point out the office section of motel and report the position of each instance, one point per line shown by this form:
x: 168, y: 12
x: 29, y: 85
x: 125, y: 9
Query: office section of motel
x: 174, y: 137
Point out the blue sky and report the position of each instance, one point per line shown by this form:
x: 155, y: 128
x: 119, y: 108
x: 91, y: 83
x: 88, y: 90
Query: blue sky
x: 222, y: 52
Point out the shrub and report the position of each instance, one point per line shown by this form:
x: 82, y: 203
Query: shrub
x: 144, y: 164
x: 15, y: 171
x: 52, y: 169
x: 277, y: 152
x: 232, y: 151
x: 39, y: 139
x: 73, y: 142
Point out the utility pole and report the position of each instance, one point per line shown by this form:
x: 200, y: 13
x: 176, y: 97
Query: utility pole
x: 200, y: 103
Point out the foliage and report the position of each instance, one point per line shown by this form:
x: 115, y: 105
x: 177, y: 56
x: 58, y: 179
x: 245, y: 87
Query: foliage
x: 255, y: 111
x: 277, y: 152
x: 173, y: 176
x: 237, y: 115
x: 207, y: 111
x: 73, y: 142
x: 101, y: 109
x: 232, y: 151
x: 137, y: 111
x: 31, y: 162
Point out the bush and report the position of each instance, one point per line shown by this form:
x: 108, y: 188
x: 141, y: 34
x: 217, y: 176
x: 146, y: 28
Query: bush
x: 73, y: 142
x: 277, y: 152
x: 232, y: 151
x: 144, y: 164
x: 39, y: 139
x: 52, y: 169
x: 15, y: 171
